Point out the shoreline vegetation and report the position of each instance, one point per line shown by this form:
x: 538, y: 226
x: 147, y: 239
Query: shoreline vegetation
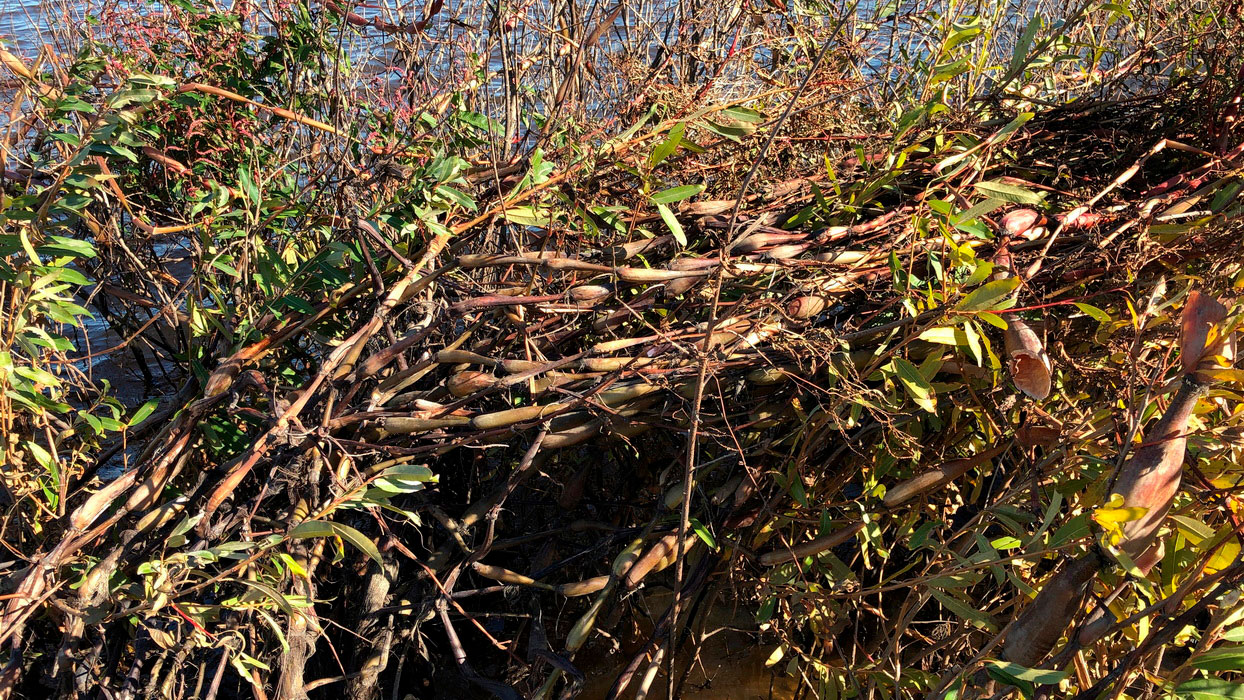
x: 623, y: 350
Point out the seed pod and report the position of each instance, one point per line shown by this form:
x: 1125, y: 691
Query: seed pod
x: 627, y: 558
x: 613, y: 364
x: 590, y: 292
x: 473, y: 261
x: 708, y: 207
x: 501, y: 419
x: 805, y: 307
x: 578, y: 634
x: 1029, y: 365
x: 1080, y: 218
x: 756, y: 241
x: 620, y: 393
x: 659, y: 556
x: 158, y: 517
x: 644, y: 275
x: 470, y: 382
x: 677, y: 288
x: 454, y: 357
x: 701, y: 264
x: 504, y: 575
x: 843, y: 257
x: 810, y: 549
x: 147, y: 494
x: 585, y: 587
x: 633, y: 248
x: 1038, y: 628
x: 404, y: 425
x: 786, y: 252
x: 518, y: 366
x: 938, y: 477
x: 568, y: 437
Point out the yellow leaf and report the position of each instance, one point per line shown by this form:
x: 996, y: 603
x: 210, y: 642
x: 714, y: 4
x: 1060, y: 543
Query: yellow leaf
x: 1223, y: 558
x: 1111, y: 515
x: 1118, y: 515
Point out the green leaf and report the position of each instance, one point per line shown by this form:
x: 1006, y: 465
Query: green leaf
x: 1020, y: 55
x: 704, y: 534
x: 989, y: 296
x: 527, y: 216
x: 143, y: 411
x: 457, y: 196
x: 103, y: 149
x: 1040, y: 676
x: 71, y: 247
x: 668, y: 146
x: 328, y: 528
x: 965, y: 611
x: 672, y: 223
x: 1096, y: 313
x: 732, y: 132
x: 1210, y: 689
x: 979, y: 209
x: 916, y: 385
x: 405, y: 478
x: 226, y: 268
x: 1222, y: 659
x: 743, y: 114
x: 1022, y: 677
x: 1010, y: 193
x: 676, y: 194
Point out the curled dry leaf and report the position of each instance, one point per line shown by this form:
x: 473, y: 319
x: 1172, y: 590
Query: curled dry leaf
x: 1034, y: 433
x: 1039, y: 627
x: 1150, y: 479
x: 1017, y: 222
x: 1200, y: 315
x: 805, y: 307
x: 659, y: 556
x: 1026, y: 358
x: 468, y: 382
